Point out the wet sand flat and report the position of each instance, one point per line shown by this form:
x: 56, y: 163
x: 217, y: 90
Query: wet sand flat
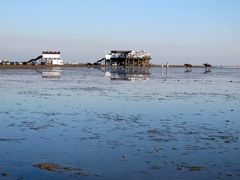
x: 82, y: 125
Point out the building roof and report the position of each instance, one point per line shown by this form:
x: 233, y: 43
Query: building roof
x: 51, y: 52
x: 121, y: 51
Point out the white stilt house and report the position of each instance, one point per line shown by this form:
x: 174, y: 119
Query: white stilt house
x: 52, y: 57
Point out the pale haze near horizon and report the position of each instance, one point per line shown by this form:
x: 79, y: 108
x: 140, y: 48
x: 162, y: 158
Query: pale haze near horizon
x: 174, y: 31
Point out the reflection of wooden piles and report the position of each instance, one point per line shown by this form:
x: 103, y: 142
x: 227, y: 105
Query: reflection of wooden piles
x: 188, y: 67
x: 207, y: 67
x: 129, y: 73
x: 137, y: 70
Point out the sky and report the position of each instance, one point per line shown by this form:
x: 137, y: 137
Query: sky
x: 173, y: 31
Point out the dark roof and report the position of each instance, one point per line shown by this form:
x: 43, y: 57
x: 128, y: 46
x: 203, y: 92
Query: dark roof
x: 121, y: 51
x: 50, y: 52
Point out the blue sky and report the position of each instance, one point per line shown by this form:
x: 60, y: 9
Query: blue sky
x: 177, y: 31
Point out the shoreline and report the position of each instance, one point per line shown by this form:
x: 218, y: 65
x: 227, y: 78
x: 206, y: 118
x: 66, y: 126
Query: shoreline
x: 89, y: 66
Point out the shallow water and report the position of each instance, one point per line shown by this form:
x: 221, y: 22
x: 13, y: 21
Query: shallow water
x: 172, y: 125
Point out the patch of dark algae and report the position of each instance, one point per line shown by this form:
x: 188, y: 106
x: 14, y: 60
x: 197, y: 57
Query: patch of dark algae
x: 6, y: 174
x: 196, y: 168
x: 190, y: 168
x: 7, y: 139
x: 61, y: 168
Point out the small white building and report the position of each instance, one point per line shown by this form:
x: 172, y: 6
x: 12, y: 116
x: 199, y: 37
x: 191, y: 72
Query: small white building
x: 57, y: 62
x: 52, y: 57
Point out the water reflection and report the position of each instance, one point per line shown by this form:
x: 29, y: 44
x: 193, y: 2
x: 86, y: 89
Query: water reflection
x: 54, y: 72
x: 188, y: 70
x: 207, y: 71
x: 184, y: 128
x: 126, y: 73
x: 164, y: 72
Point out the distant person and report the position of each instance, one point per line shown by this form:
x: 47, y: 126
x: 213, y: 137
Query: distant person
x: 167, y: 65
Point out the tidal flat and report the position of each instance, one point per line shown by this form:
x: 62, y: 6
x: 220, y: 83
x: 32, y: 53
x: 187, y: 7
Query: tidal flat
x: 82, y: 125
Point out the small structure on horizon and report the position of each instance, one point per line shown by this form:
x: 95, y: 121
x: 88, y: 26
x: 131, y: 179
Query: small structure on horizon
x: 47, y: 58
x: 5, y: 62
x: 125, y: 58
x: 51, y: 58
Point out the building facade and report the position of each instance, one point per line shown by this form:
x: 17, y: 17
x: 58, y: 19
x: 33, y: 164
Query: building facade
x: 51, y: 58
x: 127, y: 58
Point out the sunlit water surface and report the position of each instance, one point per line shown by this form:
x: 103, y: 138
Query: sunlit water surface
x: 168, y: 126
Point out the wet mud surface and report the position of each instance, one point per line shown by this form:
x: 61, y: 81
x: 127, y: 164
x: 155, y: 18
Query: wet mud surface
x: 85, y: 126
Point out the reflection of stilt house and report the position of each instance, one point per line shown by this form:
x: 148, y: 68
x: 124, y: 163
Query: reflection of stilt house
x: 126, y: 58
x: 127, y: 72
